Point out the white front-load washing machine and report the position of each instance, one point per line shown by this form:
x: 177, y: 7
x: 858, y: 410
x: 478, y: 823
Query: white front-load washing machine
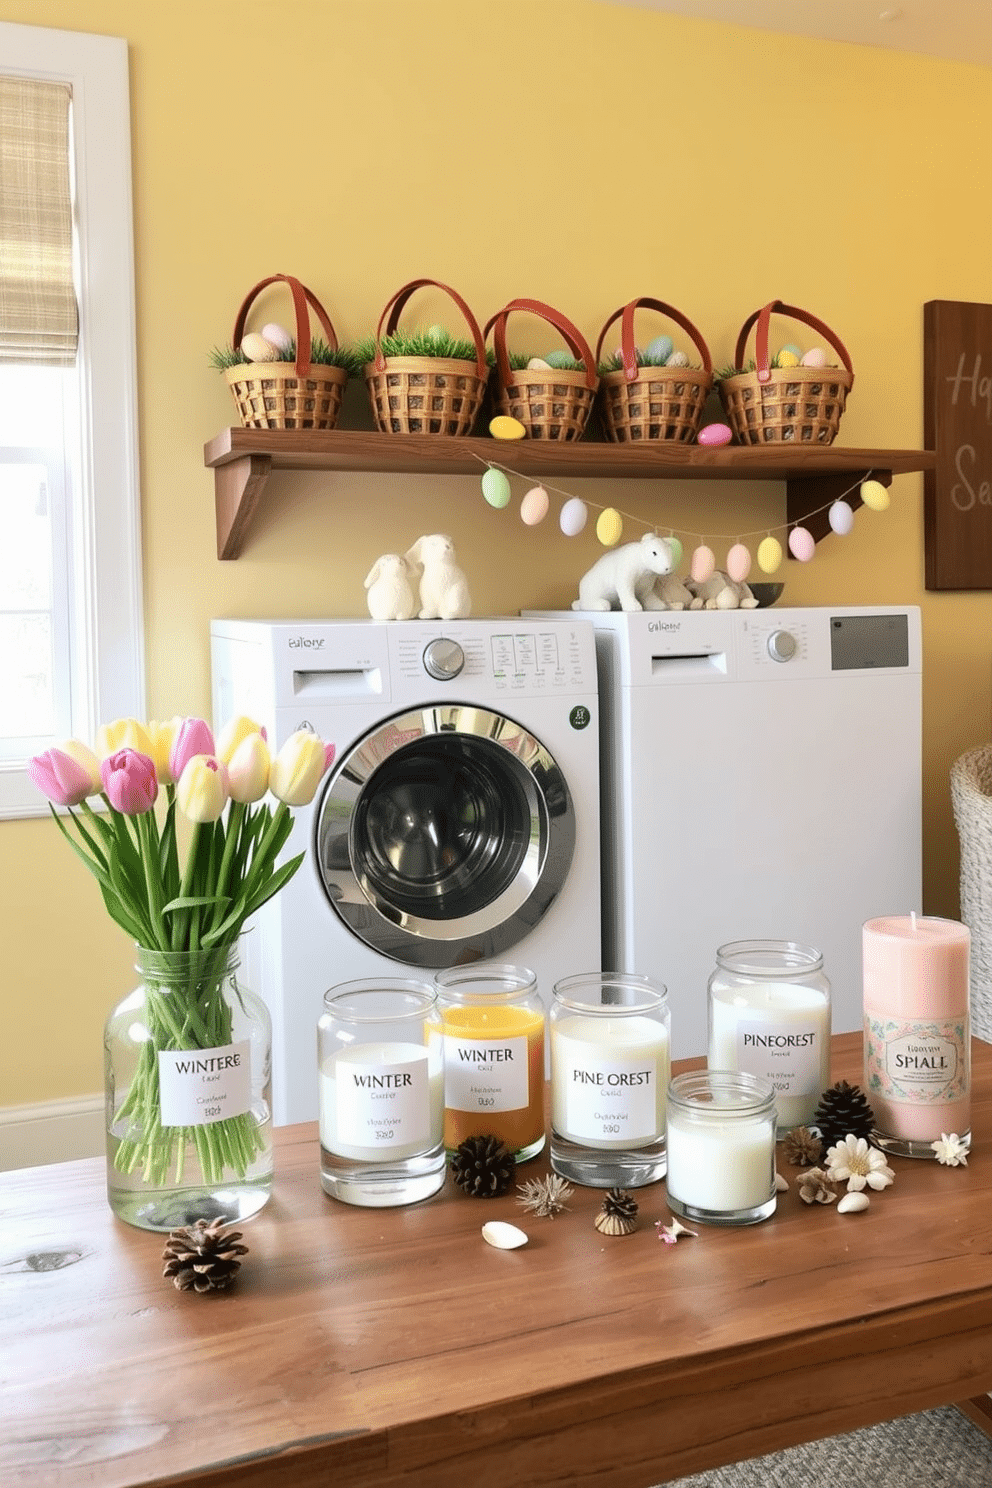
x: 459, y: 821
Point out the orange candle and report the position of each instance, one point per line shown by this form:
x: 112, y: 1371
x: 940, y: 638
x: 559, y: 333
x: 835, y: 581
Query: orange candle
x: 493, y: 1025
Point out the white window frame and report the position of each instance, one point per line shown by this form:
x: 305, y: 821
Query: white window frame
x: 104, y: 618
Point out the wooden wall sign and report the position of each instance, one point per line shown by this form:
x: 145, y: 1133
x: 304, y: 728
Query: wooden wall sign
x: 957, y: 413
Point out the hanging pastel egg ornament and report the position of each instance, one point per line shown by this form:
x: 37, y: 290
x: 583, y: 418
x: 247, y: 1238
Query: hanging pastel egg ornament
x: 496, y: 488
x: 609, y: 527
x: 841, y: 518
x: 534, y: 506
x: 677, y: 550
x: 505, y: 427
x: 659, y: 350
x: 702, y: 564
x: 769, y: 554
x: 815, y: 357
x: 738, y: 563
x: 715, y: 434
x: 574, y: 515
x: 801, y: 544
x: 278, y: 335
x: 874, y: 495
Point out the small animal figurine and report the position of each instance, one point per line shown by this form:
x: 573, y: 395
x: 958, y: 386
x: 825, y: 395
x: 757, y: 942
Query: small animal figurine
x: 390, y: 592
x: 722, y: 593
x: 674, y: 595
x: 443, y: 587
x: 624, y: 578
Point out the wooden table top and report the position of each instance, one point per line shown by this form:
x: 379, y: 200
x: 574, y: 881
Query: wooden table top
x: 390, y: 1346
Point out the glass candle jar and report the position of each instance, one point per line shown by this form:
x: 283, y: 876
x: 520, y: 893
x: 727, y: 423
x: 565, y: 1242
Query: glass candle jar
x: 769, y: 1015
x: 381, y: 1092
x: 917, y: 1031
x: 493, y: 1020
x: 610, y: 1064
x: 721, y: 1147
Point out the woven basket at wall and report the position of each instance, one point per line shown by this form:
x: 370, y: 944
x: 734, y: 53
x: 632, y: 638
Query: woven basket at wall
x: 971, y: 797
x: 638, y: 402
x: 288, y: 395
x: 552, y: 403
x: 425, y: 395
x: 781, y: 405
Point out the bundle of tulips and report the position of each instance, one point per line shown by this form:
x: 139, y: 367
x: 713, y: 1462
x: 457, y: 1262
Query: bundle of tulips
x: 182, y: 886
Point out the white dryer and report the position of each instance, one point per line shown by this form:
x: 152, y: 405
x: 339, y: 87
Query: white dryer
x: 459, y: 821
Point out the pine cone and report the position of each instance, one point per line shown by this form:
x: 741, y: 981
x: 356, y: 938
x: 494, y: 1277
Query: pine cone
x: 843, y: 1111
x: 618, y: 1215
x: 203, y: 1257
x: 483, y: 1166
x: 801, y: 1147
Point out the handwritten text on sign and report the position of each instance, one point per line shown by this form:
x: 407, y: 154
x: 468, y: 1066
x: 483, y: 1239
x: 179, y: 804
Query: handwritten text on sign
x: 958, y: 426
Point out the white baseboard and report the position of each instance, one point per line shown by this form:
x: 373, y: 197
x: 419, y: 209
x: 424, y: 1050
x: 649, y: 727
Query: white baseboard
x: 53, y: 1131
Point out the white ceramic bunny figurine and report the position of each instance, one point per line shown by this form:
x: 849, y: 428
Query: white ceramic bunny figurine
x: 390, y: 592
x: 443, y: 587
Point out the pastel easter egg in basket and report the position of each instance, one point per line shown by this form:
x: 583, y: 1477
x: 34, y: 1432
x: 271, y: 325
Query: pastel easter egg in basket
x: 659, y: 350
x: 278, y: 335
x: 257, y: 348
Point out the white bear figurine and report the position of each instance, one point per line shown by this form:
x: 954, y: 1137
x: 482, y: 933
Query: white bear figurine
x: 443, y: 587
x: 390, y: 593
x: 623, y: 579
x: 674, y: 595
x: 722, y: 593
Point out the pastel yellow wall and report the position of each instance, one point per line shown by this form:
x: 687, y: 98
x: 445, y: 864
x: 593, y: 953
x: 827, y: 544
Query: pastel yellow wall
x: 567, y: 150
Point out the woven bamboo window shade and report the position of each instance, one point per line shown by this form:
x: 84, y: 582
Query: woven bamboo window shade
x: 38, y: 313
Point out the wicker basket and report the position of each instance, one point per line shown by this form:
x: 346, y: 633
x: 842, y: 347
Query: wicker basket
x: 551, y: 404
x: 971, y: 797
x: 652, y: 402
x: 425, y: 395
x: 779, y: 405
x: 288, y: 395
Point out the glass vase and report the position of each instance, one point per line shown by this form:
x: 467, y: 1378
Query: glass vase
x: 187, y: 1062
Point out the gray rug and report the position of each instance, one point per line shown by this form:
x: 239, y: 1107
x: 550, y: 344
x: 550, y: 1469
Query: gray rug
x: 934, y: 1449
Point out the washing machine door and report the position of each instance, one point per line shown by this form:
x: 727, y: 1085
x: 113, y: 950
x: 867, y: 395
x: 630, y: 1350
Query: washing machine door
x: 444, y: 835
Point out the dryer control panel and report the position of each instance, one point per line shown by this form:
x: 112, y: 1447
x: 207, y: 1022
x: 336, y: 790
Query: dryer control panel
x: 523, y: 658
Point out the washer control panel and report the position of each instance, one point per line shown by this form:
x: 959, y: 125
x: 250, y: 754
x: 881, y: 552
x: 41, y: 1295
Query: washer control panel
x: 782, y: 645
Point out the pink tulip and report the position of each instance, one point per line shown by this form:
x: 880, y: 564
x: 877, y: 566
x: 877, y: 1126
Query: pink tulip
x: 202, y: 790
x: 87, y: 760
x: 193, y: 737
x: 129, y: 782
x: 59, y: 777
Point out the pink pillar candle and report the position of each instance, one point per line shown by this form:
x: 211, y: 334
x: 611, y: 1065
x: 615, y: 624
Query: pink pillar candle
x: 917, y: 1030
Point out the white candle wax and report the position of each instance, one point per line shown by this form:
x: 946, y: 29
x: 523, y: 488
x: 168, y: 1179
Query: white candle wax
x: 609, y: 1080
x: 725, y: 1166
x: 780, y: 1032
x: 381, y: 1102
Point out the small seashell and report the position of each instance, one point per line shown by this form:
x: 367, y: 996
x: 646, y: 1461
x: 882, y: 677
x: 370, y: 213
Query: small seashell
x: 853, y: 1203
x: 503, y: 1236
x: 255, y: 348
x: 615, y: 1224
x: 781, y: 1184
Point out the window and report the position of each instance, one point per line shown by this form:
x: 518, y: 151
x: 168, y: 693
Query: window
x: 70, y: 575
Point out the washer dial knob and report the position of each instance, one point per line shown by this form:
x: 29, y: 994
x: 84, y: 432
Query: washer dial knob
x: 782, y: 645
x: 443, y: 660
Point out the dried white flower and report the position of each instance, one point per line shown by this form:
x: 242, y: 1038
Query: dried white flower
x: 545, y: 1196
x: 670, y: 1233
x: 952, y: 1150
x: 814, y: 1187
x: 857, y: 1163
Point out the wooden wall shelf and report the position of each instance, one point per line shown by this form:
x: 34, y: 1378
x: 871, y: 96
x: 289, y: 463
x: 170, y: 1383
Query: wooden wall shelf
x: 241, y: 460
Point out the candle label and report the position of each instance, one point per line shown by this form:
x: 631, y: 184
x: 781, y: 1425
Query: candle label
x: 608, y: 1101
x: 382, y: 1106
x: 919, y: 1061
x: 787, y: 1055
x: 485, y: 1074
x: 197, y: 1086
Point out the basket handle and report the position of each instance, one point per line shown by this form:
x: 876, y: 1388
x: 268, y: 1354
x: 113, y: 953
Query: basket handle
x: 627, y: 348
x: 763, y: 316
x: 574, y: 338
x: 395, y: 305
x: 302, y: 297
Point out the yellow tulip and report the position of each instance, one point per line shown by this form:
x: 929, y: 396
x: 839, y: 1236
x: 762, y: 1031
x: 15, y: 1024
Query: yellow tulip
x: 201, y: 790
x: 123, y: 733
x: 162, y: 736
x: 248, y: 769
x: 234, y: 734
x: 297, y: 768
